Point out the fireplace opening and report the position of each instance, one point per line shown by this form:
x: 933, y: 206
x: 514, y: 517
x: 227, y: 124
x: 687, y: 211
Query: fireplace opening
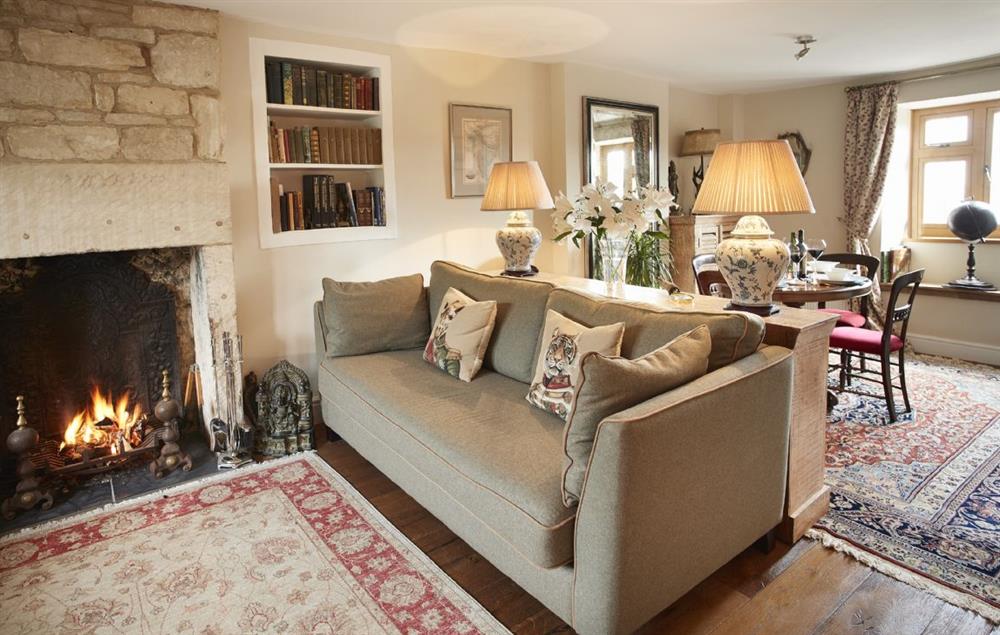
x: 86, y: 340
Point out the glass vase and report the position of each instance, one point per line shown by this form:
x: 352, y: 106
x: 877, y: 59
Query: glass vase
x: 614, y: 260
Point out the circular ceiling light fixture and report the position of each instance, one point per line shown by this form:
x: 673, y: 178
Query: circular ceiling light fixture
x: 804, y: 41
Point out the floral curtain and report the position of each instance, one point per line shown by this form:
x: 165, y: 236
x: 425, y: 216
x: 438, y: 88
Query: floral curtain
x: 871, y: 122
x: 640, y: 138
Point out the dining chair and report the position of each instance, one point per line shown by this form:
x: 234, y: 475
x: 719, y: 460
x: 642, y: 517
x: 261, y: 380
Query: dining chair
x: 869, y: 268
x: 708, y: 278
x: 878, y: 346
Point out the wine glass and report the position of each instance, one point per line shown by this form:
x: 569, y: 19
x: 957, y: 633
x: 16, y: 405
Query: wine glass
x: 815, y: 247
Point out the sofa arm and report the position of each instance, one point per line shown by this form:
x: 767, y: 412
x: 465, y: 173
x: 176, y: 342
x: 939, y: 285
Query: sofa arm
x: 677, y: 486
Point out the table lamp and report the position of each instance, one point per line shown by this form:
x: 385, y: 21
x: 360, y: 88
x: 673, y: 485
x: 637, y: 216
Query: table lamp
x: 755, y: 178
x: 699, y: 143
x: 516, y: 187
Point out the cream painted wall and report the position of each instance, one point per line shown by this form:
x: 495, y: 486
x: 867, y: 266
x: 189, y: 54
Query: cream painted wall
x: 276, y: 288
x: 689, y: 111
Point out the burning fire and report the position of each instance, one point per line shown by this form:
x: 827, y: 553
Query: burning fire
x: 104, y: 424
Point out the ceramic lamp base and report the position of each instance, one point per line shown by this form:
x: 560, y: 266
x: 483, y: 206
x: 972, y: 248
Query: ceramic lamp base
x: 518, y: 243
x: 752, y: 263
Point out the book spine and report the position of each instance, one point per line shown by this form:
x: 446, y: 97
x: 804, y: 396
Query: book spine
x: 275, y: 206
x: 338, y: 90
x: 356, y: 146
x: 314, y: 145
x: 376, y: 105
x: 306, y: 145
x: 272, y: 81
x: 321, y: 88
x: 310, y: 97
x: 297, y: 84
x: 338, y: 135
x: 377, y: 133
x: 363, y: 146
x: 287, y: 93
x: 284, y: 149
x: 348, y: 82
x: 283, y: 209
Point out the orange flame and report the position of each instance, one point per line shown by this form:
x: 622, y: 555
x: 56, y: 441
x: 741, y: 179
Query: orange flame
x: 83, y: 429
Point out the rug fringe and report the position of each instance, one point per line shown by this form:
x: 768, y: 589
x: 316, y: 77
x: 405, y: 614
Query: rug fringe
x: 951, y: 596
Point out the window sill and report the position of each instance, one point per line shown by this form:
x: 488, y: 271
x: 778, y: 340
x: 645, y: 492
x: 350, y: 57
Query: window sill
x: 941, y: 291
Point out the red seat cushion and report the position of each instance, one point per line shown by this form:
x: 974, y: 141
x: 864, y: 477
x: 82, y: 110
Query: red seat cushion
x: 862, y: 340
x: 847, y: 318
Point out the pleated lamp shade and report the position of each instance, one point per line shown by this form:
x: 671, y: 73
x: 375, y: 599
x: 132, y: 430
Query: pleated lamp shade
x: 753, y: 177
x: 516, y: 185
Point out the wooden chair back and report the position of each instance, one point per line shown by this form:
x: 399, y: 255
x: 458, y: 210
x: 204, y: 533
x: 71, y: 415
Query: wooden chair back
x: 708, y: 278
x: 869, y: 268
x: 905, y: 283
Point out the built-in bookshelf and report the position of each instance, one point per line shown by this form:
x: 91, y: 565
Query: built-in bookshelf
x: 336, y: 133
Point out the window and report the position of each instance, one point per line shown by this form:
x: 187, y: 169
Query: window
x: 953, y: 151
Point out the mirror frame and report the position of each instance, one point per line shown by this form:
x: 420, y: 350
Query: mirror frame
x: 587, y: 173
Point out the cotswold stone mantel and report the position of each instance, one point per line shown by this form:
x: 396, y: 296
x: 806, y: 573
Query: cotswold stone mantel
x: 111, y: 140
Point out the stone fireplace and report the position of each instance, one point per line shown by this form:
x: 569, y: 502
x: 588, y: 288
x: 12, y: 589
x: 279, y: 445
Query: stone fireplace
x: 111, y: 175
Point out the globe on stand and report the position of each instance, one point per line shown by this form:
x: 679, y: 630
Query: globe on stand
x: 973, y: 222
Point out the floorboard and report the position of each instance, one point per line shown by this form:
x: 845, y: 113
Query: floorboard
x: 803, y: 589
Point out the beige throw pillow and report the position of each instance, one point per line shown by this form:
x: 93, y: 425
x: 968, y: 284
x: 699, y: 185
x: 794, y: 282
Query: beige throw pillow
x: 564, y: 343
x: 461, y: 333
x: 608, y: 385
x: 371, y: 317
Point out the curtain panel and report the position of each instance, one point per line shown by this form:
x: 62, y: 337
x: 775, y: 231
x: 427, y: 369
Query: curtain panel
x: 871, y: 122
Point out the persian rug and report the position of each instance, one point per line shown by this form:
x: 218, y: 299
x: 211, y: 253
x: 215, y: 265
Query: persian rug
x: 287, y: 546
x: 920, y: 499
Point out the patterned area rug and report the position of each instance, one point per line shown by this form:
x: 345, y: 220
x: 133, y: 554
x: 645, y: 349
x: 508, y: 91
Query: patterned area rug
x: 284, y: 547
x: 923, y: 494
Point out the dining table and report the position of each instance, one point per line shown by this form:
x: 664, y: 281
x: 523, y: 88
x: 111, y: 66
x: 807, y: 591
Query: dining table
x: 821, y: 291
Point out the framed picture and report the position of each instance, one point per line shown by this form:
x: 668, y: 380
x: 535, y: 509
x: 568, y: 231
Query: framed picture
x: 480, y: 136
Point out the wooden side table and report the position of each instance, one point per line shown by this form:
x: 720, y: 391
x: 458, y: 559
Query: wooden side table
x: 807, y: 334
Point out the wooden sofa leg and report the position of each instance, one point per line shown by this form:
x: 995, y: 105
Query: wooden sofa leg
x: 765, y: 544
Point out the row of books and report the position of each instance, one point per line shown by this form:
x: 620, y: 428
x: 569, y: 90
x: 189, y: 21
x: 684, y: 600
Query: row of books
x: 323, y: 203
x: 349, y: 146
x: 299, y: 85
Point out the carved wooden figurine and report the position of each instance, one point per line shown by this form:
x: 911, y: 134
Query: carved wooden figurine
x: 284, y: 412
x: 168, y: 411
x: 30, y: 490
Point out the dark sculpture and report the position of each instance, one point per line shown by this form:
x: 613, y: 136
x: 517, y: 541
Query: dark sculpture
x: 284, y: 412
x: 673, y: 186
x: 973, y: 222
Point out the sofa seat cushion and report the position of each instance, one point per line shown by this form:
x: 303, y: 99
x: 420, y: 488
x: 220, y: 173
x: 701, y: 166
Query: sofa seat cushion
x: 479, y: 441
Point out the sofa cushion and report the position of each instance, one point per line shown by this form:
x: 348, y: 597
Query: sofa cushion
x: 369, y: 317
x: 480, y: 441
x: 735, y: 334
x: 608, y: 385
x: 564, y: 344
x: 460, y: 334
x: 520, y: 312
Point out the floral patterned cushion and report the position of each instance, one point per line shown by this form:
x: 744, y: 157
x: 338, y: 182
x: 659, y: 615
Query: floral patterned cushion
x: 461, y: 334
x: 557, y: 368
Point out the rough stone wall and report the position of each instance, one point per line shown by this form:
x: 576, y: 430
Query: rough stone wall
x: 108, y: 80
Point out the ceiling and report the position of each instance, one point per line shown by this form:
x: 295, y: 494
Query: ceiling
x: 706, y: 45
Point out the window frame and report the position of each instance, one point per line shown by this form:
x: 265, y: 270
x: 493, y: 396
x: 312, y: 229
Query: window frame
x: 975, y: 150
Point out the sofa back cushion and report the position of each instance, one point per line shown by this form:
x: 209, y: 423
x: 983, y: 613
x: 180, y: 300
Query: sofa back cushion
x: 371, y: 317
x: 520, y: 313
x: 734, y: 334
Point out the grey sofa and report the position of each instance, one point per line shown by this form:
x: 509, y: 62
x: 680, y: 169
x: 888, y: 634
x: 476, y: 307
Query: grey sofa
x: 677, y: 485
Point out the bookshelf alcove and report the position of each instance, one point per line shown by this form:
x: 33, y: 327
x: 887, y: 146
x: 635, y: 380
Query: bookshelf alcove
x: 292, y: 117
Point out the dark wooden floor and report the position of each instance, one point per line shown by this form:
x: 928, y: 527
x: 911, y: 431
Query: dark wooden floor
x: 793, y: 590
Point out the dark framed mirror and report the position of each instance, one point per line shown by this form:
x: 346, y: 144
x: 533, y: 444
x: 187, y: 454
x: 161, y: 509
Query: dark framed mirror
x: 621, y: 145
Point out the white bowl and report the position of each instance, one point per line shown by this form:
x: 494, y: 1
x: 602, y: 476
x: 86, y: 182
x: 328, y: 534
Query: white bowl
x: 823, y: 266
x: 839, y: 275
